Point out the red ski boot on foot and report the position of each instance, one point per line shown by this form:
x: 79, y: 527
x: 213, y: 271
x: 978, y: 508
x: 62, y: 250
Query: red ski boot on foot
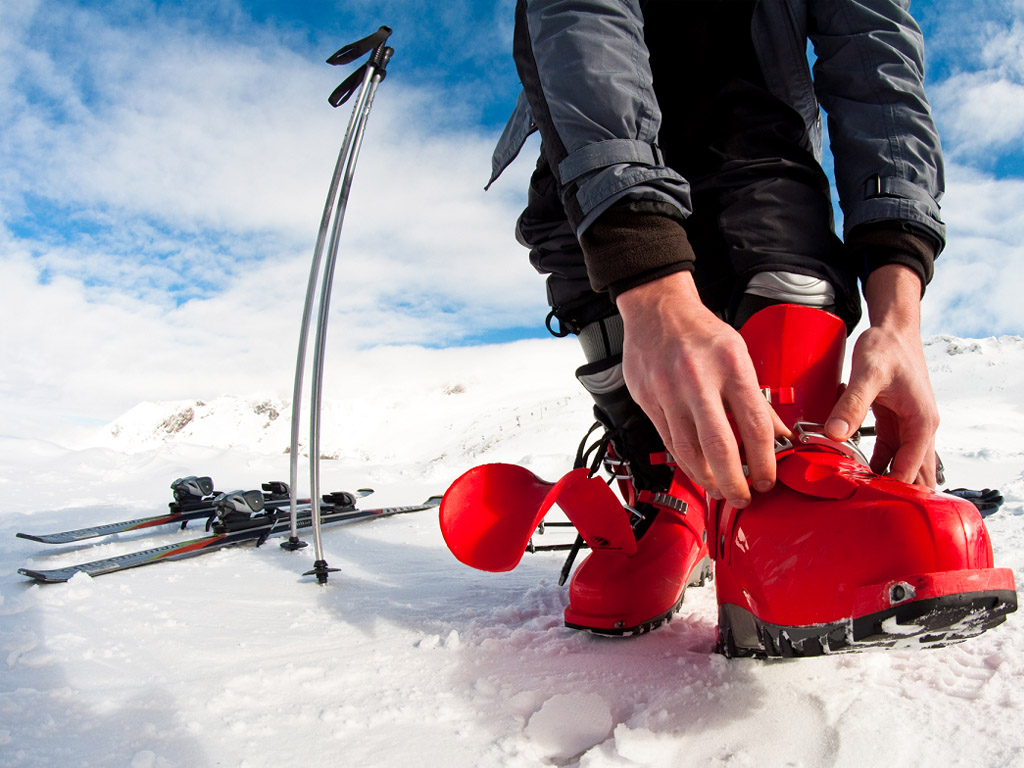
x: 836, y: 557
x: 618, y: 593
x: 632, y: 580
x: 612, y: 593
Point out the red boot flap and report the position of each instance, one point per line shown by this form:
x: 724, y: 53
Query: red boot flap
x: 797, y: 353
x: 489, y: 514
x: 596, y: 512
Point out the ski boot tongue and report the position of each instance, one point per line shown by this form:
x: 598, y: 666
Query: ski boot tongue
x: 797, y: 354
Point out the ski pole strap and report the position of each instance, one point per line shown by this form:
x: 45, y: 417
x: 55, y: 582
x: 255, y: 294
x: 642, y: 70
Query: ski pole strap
x: 378, y: 62
x: 342, y: 93
x: 353, y: 51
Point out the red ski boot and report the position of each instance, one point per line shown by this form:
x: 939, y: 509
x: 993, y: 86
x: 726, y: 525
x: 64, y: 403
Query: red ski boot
x: 613, y: 593
x: 632, y: 580
x: 836, y: 557
x: 618, y: 593
x: 643, y: 554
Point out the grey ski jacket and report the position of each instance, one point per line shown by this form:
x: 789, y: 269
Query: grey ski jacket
x: 588, y: 87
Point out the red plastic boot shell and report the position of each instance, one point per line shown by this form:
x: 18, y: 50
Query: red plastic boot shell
x: 837, y: 557
x: 615, y: 594
x: 887, y: 565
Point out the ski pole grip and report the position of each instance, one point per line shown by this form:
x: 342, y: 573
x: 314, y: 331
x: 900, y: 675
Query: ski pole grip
x: 379, y: 61
x: 353, y: 51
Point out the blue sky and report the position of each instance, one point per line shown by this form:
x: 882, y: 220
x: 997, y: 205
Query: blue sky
x: 163, y: 168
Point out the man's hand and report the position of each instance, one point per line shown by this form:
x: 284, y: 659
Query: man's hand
x: 687, y: 369
x: 890, y: 377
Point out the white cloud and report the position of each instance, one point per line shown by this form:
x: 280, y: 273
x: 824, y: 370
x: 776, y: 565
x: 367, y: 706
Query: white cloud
x: 1004, y: 49
x: 980, y: 114
x: 185, y: 158
x: 978, y: 278
x: 202, y: 134
x: 980, y: 107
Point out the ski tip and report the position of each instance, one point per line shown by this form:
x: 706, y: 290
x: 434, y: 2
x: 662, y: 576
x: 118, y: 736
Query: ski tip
x: 434, y: 501
x: 41, y: 576
x: 30, y: 537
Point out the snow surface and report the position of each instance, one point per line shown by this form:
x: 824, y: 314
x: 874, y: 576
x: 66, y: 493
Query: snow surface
x: 407, y: 657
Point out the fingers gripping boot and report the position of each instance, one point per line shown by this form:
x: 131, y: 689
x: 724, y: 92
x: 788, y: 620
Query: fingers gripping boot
x: 614, y: 593
x: 836, y: 557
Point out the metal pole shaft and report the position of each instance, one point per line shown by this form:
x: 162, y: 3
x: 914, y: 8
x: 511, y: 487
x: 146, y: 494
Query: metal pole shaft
x: 340, y: 168
x: 375, y: 75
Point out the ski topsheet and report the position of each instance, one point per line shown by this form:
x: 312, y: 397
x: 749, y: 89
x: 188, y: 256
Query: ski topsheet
x: 257, y: 530
x: 194, y: 499
x: 123, y: 526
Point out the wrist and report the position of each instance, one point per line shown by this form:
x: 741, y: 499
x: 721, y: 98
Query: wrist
x: 893, y: 296
x: 676, y: 289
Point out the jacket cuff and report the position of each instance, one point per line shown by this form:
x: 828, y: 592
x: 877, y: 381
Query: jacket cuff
x: 881, y: 243
x: 633, y: 243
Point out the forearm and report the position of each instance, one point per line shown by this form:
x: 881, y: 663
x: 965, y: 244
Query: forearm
x: 632, y: 244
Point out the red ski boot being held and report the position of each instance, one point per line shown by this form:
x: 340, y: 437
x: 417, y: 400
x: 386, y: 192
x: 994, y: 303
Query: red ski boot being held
x: 836, y: 557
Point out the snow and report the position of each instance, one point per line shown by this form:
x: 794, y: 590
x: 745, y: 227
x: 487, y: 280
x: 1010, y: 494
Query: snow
x: 407, y: 657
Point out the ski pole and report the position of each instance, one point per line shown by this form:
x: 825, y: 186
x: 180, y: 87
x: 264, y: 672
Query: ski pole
x: 366, y: 79
x: 346, y: 54
x: 293, y: 543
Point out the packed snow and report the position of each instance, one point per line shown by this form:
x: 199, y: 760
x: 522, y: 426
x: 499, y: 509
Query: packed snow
x: 407, y: 657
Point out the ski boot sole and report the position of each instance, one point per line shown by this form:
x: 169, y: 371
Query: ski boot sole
x: 929, y: 623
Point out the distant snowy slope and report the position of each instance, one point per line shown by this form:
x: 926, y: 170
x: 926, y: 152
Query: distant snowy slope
x: 395, y: 405
x: 411, y: 404
x: 223, y: 422
x: 979, y: 384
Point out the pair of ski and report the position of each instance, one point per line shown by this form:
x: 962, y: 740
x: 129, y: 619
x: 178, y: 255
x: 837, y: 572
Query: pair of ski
x: 238, y: 517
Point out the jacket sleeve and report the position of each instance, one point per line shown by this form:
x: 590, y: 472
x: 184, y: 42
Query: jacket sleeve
x: 585, y: 72
x: 869, y: 77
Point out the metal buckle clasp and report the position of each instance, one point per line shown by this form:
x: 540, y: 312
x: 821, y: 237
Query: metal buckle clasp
x: 809, y: 433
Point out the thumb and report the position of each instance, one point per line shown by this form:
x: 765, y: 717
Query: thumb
x: 849, y: 412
